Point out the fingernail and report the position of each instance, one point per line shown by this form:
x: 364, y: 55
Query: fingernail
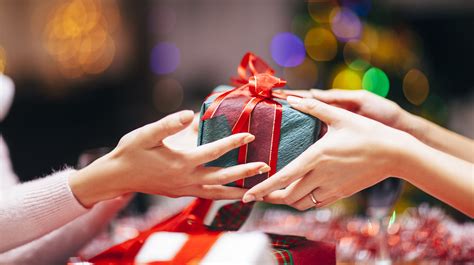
x: 248, y: 198
x: 293, y: 100
x: 264, y: 169
x: 248, y: 138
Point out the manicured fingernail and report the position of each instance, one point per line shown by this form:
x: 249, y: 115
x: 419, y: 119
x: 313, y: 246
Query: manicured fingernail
x: 248, y: 198
x: 293, y: 100
x: 248, y: 138
x: 264, y: 169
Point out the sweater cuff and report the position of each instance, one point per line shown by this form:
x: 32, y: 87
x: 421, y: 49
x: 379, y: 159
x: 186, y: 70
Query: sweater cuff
x: 51, y: 204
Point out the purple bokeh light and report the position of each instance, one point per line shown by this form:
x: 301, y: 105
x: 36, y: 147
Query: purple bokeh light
x: 287, y: 49
x: 346, y: 25
x: 165, y: 58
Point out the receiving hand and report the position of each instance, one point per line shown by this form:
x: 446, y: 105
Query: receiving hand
x: 143, y: 162
x: 363, y: 103
x: 355, y: 153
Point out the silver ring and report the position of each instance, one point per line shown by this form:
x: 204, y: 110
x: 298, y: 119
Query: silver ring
x: 313, y: 199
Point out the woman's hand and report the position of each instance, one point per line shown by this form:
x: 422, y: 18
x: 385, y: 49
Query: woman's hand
x: 354, y: 154
x: 142, y: 162
x: 363, y: 103
x: 389, y: 113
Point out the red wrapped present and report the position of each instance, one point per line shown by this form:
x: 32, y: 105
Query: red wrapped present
x: 287, y: 249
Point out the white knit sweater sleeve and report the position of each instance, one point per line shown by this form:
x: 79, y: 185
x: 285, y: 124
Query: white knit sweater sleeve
x: 32, y: 209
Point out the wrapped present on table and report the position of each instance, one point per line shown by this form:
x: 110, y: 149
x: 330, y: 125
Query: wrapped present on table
x: 286, y: 250
x: 207, y: 248
x: 281, y: 132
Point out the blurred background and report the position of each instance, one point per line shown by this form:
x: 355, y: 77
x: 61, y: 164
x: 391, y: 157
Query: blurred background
x: 89, y: 71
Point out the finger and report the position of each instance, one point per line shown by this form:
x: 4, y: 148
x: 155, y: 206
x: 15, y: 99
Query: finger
x: 291, y: 172
x: 215, y: 175
x: 296, y: 190
x: 300, y: 93
x: 327, y: 113
x: 333, y: 96
x: 153, y: 133
x: 214, y: 150
x: 218, y: 192
x: 306, y: 203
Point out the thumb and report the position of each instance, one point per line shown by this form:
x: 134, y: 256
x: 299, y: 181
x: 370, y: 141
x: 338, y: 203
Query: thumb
x: 326, y: 113
x: 154, y: 133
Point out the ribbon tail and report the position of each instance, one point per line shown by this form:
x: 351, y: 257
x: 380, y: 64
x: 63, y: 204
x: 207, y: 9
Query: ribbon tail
x: 275, y: 143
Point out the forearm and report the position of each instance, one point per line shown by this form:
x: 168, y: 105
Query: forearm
x: 439, y: 137
x: 444, y: 176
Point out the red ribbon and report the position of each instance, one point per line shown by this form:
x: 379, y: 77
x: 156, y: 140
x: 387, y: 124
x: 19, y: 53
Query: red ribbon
x: 256, y: 81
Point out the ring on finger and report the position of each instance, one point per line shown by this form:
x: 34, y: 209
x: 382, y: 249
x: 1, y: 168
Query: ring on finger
x: 313, y: 199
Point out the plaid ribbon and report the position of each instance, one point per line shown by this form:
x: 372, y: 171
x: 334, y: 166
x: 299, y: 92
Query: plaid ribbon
x: 231, y: 217
x: 283, y: 256
x: 285, y: 241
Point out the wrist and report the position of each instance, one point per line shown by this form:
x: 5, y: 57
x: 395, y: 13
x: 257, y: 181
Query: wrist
x: 398, y: 153
x: 95, y: 183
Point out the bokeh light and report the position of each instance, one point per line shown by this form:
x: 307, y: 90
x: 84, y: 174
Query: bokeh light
x: 320, y: 44
x: 360, y: 7
x: 356, y: 55
x: 303, y: 76
x: 376, y: 81
x: 167, y: 95
x: 165, y: 58
x: 345, y: 24
x: 347, y: 79
x: 320, y: 10
x: 287, y: 49
x: 78, y: 35
x: 416, y: 87
x: 3, y: 60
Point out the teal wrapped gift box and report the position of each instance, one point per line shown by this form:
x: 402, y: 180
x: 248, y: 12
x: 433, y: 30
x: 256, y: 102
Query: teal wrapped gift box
x: 298, y: 131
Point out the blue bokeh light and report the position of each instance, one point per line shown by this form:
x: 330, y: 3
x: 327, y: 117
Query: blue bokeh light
x: 287, y: 49
x: 165, y: 58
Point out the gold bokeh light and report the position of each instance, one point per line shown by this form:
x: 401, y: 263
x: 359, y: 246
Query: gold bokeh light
x: 3, y: 60
x: 78, y: 35
x: 320, y: 44
x: 416, y: 87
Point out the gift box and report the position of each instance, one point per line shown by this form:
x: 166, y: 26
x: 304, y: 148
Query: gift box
x: 281, y: 132
x: 288, y: 250
x: 207, y: 248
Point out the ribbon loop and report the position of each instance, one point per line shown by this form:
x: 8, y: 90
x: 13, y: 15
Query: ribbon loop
x: 262, y: 84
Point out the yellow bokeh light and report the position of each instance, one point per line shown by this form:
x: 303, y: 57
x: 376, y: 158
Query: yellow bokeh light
x: 3, y: 60
x: 303, y: 76
x: 347, y: 79
x: 416, y: 87
x: 320, y: 44
x: 319, y: 10
x: 356, y: 55
x: 78, y: 36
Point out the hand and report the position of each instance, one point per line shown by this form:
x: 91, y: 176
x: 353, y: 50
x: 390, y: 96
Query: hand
x: 363, y: 103
x: 354, y: 154
x: 142, y: 162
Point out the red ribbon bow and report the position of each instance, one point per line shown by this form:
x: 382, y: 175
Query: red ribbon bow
x: 259, y: 89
